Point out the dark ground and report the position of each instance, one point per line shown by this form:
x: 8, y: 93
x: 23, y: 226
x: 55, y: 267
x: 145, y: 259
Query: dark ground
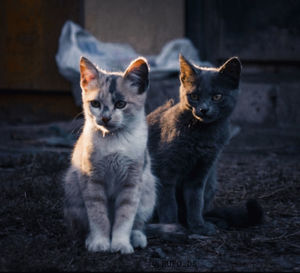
x: 259, y: 163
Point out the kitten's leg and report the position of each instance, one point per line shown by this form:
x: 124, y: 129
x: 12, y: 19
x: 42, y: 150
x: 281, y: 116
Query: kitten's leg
x: 126, y: 205
x: 96, y: 205
x: 210, y: 189
x: 138, y: 237
x: 74, y: 207
x: 167, y: 204
x: 194, y: 200
x: 145, y: 209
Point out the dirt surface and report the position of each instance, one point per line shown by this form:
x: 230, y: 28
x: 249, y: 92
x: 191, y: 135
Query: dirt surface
x: 259, y: 163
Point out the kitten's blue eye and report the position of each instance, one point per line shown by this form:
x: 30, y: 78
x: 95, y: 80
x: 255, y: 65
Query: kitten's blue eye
x: 217, y: 97
x: 120, y: 104
x: 95, y: 103
x: 194, y: 96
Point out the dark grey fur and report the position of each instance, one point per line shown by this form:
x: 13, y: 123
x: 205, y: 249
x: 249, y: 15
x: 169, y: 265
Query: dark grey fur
x: 186, y: 139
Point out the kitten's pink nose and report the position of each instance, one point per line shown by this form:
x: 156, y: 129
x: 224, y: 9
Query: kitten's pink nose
x: 106, y: 119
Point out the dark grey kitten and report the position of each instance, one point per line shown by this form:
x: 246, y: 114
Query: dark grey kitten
x: 186, y: 139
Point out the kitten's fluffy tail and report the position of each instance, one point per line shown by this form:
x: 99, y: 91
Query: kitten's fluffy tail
x: 168, y: 232
x: 237, y: 217
x: 250, y: 215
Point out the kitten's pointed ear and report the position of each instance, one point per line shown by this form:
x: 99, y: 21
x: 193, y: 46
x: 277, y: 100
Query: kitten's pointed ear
x: 138, y: 74
x: 187, y: 71
x: 88, y: 74
x: 232, y: 69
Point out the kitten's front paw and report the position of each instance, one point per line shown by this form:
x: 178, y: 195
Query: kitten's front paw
x: 206, y: 228
x: 138, y: 239
x: 97, y: 243
x: 123, y: 246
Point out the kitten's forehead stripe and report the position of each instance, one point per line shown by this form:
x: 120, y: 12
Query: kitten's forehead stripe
x: 112, y: 85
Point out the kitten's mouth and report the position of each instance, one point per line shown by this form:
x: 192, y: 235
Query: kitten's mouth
x: 197, y: 117
x: 203, y: 118
x: 105, y: 128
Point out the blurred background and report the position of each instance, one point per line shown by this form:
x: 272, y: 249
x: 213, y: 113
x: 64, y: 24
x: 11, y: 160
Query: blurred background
x: 264, y: 34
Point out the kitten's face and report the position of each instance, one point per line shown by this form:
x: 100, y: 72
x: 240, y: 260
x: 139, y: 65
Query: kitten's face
x: 112, y: 101
x: 210, y: 93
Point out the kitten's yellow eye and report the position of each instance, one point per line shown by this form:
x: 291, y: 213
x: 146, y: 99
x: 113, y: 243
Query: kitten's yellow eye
x: 217, y: 97
x: 194, y: 96
x: 95, y: 103
x: 120, y: 104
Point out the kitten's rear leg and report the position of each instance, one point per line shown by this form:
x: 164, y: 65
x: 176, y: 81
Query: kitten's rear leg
x: 145, y: 210
x: 194, y: 200
x: 210, y: 189
x: 74, y: 208
x: 138, y: 237
x: 167, y: 205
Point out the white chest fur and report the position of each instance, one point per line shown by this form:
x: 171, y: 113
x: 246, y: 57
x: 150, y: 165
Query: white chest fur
x: 112, y: 154
x: 130, y: 143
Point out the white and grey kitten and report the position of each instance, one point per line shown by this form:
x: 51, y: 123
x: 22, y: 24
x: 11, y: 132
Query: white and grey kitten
x: 109, y: 187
